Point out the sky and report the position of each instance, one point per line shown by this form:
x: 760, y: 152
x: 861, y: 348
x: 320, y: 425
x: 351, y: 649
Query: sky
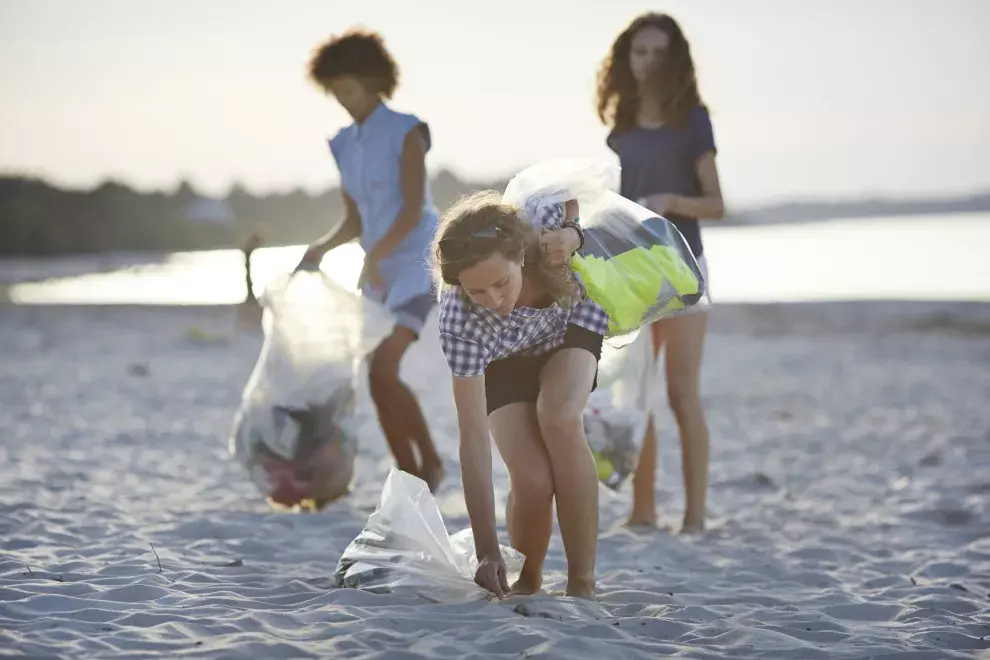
x: 823, y: 99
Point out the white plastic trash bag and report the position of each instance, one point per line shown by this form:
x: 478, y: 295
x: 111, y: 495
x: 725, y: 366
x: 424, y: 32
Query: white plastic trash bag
x: 294, y: 431
x: 616, y: 416
x: 559, y: 180
x: 405, y: 549
x: 634, y: 263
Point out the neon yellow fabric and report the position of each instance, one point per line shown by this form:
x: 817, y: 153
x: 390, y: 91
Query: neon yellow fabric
x: 628, y: 285
x: 603, y: 466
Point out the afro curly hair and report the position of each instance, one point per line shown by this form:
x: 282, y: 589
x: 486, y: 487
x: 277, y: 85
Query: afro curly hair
x: 359, y: 54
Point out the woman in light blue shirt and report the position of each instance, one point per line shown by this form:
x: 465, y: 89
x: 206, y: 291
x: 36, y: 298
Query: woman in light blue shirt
x: 381, y: 159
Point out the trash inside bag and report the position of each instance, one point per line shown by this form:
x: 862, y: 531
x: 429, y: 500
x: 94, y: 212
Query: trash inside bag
x: 634, y: 263
x: 615, y: 417
x: 404, y: 549
x: 295, y: 430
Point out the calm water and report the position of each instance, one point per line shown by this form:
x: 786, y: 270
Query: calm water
x: 910, y: 258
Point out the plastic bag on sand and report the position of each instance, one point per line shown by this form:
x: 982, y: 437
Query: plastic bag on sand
x: 404, y: 549
x: 294, y: 431
x: 634, y: 263
x: 616, y: 415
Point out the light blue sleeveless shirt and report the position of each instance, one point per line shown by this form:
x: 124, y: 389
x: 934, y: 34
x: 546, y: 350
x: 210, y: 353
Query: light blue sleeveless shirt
x: 369, y: 158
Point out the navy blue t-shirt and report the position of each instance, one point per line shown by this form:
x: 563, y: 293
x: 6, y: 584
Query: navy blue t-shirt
x: 658, y: 161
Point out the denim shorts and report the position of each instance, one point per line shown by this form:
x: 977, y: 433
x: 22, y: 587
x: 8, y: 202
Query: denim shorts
x: 413, y: 312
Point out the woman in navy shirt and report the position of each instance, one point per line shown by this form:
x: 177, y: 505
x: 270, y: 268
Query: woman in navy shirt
x: 661, y: 131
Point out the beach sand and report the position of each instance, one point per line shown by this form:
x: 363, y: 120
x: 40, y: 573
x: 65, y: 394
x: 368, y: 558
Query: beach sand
x: 850, y: 502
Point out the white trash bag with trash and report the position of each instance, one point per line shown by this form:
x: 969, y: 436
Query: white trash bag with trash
x: 294, y: 431
x: 615, y: 418
x: 404, y: 549
x: 634, y: 262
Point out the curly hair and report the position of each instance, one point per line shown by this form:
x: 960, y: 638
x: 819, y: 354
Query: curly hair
x: 357, y: 53
x: 674, y: 82
x: 514, y: 238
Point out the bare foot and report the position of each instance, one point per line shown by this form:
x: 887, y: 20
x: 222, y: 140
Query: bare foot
x: 581, y: 588
x: 526, y: 587
x: 691, y: 527
x: 642, y: 519
x: 433, y: 475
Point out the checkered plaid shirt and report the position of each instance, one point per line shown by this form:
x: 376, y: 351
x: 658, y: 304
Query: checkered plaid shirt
x: 473, y: 337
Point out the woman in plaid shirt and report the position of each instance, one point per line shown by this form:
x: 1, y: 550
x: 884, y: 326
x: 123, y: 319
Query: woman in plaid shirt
x: 523, y: 342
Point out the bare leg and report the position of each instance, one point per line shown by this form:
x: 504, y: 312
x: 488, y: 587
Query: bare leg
x: 529, y: 511
x: 685, y: 339
x: 644, y: 507
x: 565, y: 385
x: 399, y: 413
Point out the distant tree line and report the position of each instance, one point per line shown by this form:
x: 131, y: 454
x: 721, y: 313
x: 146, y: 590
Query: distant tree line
x: 38, y: 219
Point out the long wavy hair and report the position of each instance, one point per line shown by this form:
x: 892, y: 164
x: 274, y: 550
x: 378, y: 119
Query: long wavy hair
x: 674, y: 82
x: 516, y: 240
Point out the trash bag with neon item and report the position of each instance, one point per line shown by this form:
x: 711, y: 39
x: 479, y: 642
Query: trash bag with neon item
x: 617, y: 412
x: 634, y: 263
x: 295, y: 429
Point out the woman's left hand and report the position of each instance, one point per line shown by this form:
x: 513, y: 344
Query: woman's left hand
x: 559, y: 244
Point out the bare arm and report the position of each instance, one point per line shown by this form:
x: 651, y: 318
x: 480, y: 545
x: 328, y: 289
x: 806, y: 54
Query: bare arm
x: 571, y: 210
x: 476, y: 463
x: 413, y: 173
x: 346, y: 231
x: 709, y: 206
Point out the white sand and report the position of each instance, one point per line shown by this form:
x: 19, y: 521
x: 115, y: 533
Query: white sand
x: 850, y: 504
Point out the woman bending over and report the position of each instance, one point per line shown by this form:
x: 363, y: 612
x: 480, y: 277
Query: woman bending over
x: 523, y: 343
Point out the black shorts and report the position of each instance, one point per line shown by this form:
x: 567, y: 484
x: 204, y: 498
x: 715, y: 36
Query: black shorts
x: 516, y: 379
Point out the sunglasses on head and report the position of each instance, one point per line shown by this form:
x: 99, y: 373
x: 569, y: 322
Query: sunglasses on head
x: 455, y: 247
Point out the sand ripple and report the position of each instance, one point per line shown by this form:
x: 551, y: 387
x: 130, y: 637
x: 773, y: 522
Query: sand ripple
x: 850, y: 502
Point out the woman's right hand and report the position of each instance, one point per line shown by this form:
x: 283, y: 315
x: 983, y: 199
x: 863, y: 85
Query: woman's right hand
x: 491, y: 575
x: 659, y: 204
x: 312, y: 258
x: 476, y: 478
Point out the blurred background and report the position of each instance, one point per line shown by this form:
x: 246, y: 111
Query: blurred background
x: 142, y: 143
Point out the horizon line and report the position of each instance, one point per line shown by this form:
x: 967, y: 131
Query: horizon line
x: 285, y: 191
